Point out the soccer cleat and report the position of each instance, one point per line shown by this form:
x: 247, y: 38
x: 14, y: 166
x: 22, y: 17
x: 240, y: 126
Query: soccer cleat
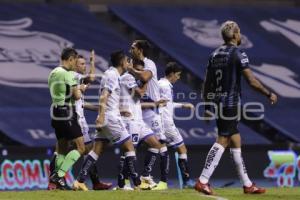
x: 144, y: 186
x: 253, y: 189
x: 79, y: 186
x: 125, y: 188
x: 148, y: 180
x: 137, y: 188
x: 189, y: 184
x: 127, y: 182
x: 51, y: 186
x: 161, y: 186
x: 102, y: 186
x: 204, y: 188
x: 57, y: 182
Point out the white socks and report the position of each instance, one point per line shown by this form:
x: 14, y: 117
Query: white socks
x: 240, y: 166
x: 93, y: 155
x: 212, y: 160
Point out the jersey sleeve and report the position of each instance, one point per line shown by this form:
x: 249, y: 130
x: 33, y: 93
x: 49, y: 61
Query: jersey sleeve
x: 129, y: 82
x: 164, y: 91
x: 242, y: 59
x: 78, y: 77
x: 70, y: 79
x: 150, y: 67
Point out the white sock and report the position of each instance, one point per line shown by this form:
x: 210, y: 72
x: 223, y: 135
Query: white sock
x: 94, y: 155
x: 182, y: 156
x: 240, y: 166
x: 212, y: 160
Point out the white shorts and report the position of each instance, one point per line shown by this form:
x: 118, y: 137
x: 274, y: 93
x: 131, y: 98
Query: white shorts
x: 138, y: 130
x: 85, y: 130
x: 174, y: 138
x: 114, y: 130
x: 155, y: 123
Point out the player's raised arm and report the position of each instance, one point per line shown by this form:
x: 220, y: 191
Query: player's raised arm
x: 91, y: 76
x: 258, y: 86
x: 143, y: 75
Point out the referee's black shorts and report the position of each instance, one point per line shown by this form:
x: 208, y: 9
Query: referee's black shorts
x: 227, y: 121
x: 65, y: 123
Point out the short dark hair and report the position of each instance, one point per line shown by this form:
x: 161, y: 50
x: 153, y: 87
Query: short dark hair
x: 80, y: 56
x: 172, y: 67
x: 67, y: 53
x: 116, y: 57
x: 143, y: 45
x: 138, y: 62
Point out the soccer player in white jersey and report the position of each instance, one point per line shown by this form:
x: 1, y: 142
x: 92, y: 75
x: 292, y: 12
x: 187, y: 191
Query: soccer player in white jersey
x: 109, y: 124
x: 131, y: 111
x: 174, y: 138
x: 150, y: 104
x: 84, y: 81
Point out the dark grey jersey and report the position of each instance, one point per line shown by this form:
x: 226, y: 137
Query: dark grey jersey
x: 223, y: 75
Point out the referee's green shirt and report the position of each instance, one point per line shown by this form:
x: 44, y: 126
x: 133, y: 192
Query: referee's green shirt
x: 60, y: 82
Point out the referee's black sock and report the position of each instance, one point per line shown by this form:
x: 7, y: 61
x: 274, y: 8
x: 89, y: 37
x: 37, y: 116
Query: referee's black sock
x: 164, y: 164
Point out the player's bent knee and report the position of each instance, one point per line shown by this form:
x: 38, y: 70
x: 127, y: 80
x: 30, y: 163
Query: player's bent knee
x: 98, y: 147
x: 88, y: 148
x: 182, y: 149
x: 153, y: 142
x: 128, y: 146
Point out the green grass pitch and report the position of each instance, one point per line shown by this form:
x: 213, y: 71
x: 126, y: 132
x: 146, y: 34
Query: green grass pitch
x: 172, y: 194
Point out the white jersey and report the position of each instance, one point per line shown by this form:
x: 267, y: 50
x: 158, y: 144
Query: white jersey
x: 152, y: 92
x: 173, y: 136
x: 80, y: 112
x: 111, y: 82
x: 80, y: 102
x: 128, y: 101
x: 166, y: 93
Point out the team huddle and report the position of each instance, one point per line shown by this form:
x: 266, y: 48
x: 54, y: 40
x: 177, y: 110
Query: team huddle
x: 136, y: 107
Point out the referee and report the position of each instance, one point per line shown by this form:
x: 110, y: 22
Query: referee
x: 64, y: 92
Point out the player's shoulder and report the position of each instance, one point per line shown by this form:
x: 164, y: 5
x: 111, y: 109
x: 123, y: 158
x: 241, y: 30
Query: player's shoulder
x: 241, y: 54
x: 127, y: 77
x: 111, y: 72
x: 163, y: 82
x: 77, y: 75
x: 149, y: 63
x: 239, y: 51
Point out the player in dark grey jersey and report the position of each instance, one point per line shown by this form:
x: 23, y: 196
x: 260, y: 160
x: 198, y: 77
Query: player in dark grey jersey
x: 222, y: 89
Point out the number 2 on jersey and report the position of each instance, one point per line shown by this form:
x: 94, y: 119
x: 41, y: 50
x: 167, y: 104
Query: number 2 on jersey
x: 219, y: 76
